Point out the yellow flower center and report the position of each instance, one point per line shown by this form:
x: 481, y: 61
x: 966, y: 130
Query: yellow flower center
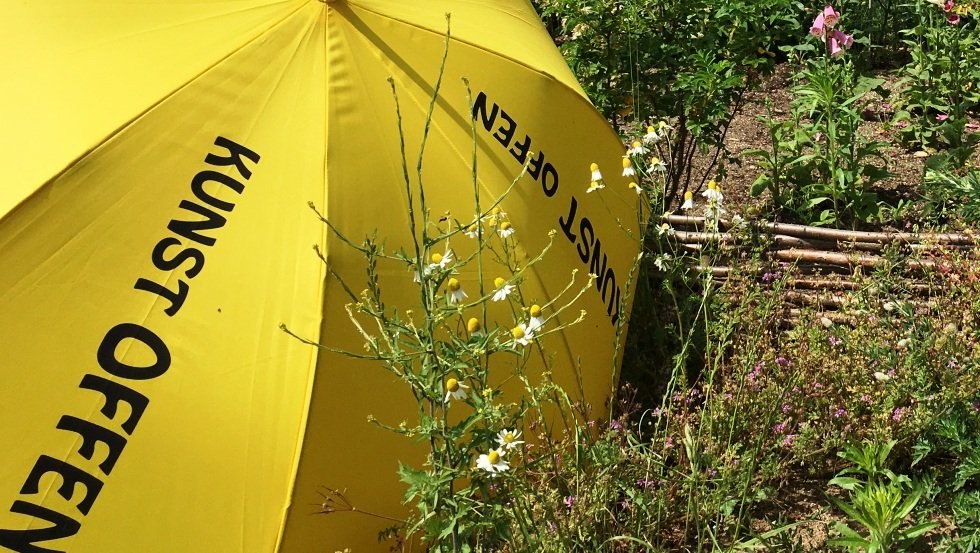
x: 473, y: 325
x: 594, y: 167
x: 505, y: 225
x: 535, y: 310
x: 471, y: 229
x: 627, y: 163
x: 496, y: 211
x: 517, y: 332
x: 636, y: 144
x: 499, y: 282
x: 655, y: 160
x: 688, y: 195
x: 651, y: 130
x: 712, y: 185
x: 508, y: 437
x: 453, y: 285
x: 493, y: 457
x: 452, y: 385
x: 661, y: 125
x: 436, y: 258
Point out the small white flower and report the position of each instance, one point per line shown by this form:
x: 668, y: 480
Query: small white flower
x: 596, y: 185
x: 827, y: 323
x: 638, y: 149
x: 657, y: 164
x: 903, y: 343
x: 660, y: 261
x: 688, y: 201
x: 508, y: 439
x: 456, y: 292
x: 455, y: 389
x: 496, y: 215
x: 537, y: 321
x: 628, y: 170
x: 651, y: 137
x: 882, y: 377
x: 522, y: 335
x: 505, y: 229
x: 635, y: 187
x: 739, y: 222
x: 664, y: 228
x: 663, y: 126
x: 492, y: 462
x: 440, y: 261
x: 596, y: 174
x: 713, y: 192
x: 472, y: 231
x: 501, y: 289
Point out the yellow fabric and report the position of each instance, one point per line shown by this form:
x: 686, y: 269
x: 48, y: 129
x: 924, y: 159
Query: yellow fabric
x: 123, y: 119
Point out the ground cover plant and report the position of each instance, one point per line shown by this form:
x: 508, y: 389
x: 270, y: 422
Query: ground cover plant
x: 740, y: 424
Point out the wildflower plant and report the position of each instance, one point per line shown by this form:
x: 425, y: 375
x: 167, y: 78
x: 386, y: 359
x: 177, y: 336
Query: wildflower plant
x: 830, y: 166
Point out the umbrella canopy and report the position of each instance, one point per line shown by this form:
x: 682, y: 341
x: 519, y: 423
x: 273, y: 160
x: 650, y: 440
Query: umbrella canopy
x: 154, y: 232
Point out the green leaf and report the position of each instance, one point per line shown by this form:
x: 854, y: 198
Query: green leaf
x: 760, y: 185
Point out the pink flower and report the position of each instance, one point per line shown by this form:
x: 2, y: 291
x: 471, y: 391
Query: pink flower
x: 941, y: 117
x: 972, y: 126
x: 830, y: 17
x: 948, y: 5
x: 902, y: 124
x: 817, y: 29
x: 954, y: 19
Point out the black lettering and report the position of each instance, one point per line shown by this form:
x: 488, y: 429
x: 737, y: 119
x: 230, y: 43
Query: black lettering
x: 197, y: 186
x: 588, y: 235
x: 504, y: 134
x: 176, y: 299
x: 534, y: 167
x: 519, y: 151
x: 549, y: 190
x: 236, y: 152
x: 160, y: 261
x: 92, y: 434
x: 608, y: 276
x: 115, y: 394
x: 22, y: 541
x: 566, y: 226
x: 614, y: 316
x: 70, y: 475
x: 595, y: 268
x: 107, y: 352
x: 480, y: 107
x: 187, y: 229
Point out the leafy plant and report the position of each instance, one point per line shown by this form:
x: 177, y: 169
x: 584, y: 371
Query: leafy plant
x: 879, y: 502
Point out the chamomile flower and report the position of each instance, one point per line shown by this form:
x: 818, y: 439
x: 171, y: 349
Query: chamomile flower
x: 474, y: 327
x: 505, y: 229
x: 522, y: 335
x: 508, y: 439
x: 496, y: 215
x: 472, y: 231
x: 596, y: 173
x: 651, y: 137
x: 492, y: 462
x: 596, y: 185
x: 455, y: 389
x: 501, y: 289
x: 537, y: 320
x: 664, y: 228
x: 637, y: 149
x: 688, y: 201
x: 663, y: 126
x: 628, y: 170
x: 661, y: 260
x: 456, y: 292
x: 635, y: 188
x: 657, y: 164
x: 882, y: 377
x: 440, y: 261
x: 713, y: 192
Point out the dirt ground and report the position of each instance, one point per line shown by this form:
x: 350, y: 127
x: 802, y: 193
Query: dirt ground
x: 747, y: 132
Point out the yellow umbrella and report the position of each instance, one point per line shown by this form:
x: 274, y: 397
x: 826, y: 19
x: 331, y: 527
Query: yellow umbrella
x: 159, y: 158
